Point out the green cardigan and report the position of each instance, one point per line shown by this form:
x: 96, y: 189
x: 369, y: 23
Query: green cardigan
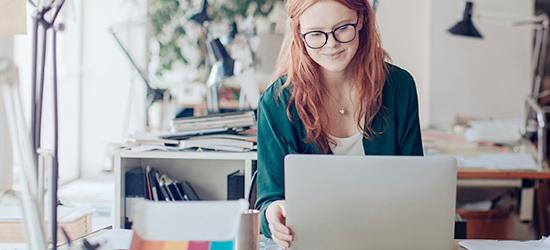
x: 278, y: 136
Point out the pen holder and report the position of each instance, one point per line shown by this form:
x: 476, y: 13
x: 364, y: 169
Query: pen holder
x: 249, y: 230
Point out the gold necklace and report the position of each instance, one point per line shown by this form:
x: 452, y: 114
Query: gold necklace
x: 342, y: 110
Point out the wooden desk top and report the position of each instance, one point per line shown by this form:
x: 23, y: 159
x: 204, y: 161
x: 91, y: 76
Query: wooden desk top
x: 500, y: 174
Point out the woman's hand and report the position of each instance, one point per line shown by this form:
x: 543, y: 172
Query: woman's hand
x: 276, y: 217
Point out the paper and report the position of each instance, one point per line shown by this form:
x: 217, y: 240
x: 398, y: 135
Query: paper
x: 495, y: 131
x: 500, y: 161
x: 542, y: 244
x: 12, y: 17
x: 188, y: 220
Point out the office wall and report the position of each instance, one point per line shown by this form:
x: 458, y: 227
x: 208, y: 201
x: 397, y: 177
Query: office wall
x: 108, y: 100
x: 479, y: 78
x: 405, y: 30
x: 454, y: 75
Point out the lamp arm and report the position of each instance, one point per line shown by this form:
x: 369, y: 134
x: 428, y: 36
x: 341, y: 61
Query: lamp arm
x: 539, y: 55
x: 34, y: 4
x: 57, y: 10
x: 512, y: 20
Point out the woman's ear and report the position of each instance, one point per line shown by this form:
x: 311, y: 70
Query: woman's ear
x: 360, y: 21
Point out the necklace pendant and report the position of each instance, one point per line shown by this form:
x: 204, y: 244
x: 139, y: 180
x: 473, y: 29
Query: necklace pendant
x: 342, y: 111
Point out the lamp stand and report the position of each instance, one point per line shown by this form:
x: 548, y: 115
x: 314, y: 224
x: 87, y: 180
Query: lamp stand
x: 42, y: 24
x: 212, y: 101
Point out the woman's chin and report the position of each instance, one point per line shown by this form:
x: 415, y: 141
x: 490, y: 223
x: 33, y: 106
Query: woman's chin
x: 334, y: 67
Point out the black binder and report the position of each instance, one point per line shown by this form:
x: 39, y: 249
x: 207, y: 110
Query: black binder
x: 235, y: 186
x: 135, y: 184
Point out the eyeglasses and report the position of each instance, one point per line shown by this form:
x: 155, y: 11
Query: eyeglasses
x: 343, y: 34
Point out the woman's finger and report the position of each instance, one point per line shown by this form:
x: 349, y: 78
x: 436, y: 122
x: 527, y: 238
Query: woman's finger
x: 281, y: 243
x: 282, y: 236
x: 281, y: 228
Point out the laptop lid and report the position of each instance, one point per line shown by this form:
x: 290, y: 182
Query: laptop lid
x: 370, y: 202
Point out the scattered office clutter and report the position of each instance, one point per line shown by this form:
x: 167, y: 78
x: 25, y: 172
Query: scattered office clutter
x: 497, y: 131
x: 230, y: 132
x: 152, y: 185
x: 205, y: 225
x: 479, y: 153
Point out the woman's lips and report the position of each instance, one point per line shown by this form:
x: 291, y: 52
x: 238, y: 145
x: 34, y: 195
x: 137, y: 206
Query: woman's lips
x: 332, y: 55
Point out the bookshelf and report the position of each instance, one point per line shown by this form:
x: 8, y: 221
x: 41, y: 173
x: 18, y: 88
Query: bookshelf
x: 206, y: 171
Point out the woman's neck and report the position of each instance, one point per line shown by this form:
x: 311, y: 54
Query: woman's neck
x: 336, y: 82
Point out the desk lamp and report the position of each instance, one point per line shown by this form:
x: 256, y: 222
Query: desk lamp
x: 153, y: 94
x: 466, y: 28
x: 221, y: 69
x: 202, y: 16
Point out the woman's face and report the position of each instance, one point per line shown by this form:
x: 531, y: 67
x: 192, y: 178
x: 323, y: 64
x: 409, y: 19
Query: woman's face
x: 330, y: 16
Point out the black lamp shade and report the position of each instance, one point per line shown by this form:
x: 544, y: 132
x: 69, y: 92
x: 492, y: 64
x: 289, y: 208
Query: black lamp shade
x: 465, y: 27
x: 201, y: 16
x: 220, y: 53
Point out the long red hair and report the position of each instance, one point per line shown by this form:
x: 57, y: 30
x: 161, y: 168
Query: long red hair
x: 367, y: 72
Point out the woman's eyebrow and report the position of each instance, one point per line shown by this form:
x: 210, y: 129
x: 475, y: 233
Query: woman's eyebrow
x: 345, y: 21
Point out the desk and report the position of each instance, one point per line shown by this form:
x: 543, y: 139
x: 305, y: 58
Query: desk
x: 533, y: 184
x: 123, y: 239
x: 534, y: 190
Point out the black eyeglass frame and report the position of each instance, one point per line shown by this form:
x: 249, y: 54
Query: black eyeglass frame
x: 354, y: 25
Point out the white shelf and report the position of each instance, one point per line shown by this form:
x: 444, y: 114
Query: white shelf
x: 207, y: 170
x: 190, y: 155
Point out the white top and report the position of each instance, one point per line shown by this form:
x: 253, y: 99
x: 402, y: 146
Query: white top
x: 352, y: 145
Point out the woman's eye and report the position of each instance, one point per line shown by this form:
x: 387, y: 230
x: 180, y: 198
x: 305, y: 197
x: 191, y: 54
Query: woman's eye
x: 344, y: 28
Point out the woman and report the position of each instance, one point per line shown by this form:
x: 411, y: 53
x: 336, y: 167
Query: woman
x: 335, y: 95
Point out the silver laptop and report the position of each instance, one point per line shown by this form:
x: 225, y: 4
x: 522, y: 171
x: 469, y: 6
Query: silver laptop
x: 370, y: 202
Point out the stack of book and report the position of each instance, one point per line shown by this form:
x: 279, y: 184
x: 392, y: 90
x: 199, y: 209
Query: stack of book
x: 230, y: 132
x: 214, y: 123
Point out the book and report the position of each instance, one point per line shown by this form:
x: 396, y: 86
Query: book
x: 149, y: 187
x: 189, y: 191
x: 215, y: 143
x: 215, y: 117
x: 238, y: 120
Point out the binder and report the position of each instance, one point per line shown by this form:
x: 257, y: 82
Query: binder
x: 190, y: 191
x: 235, y: 185
x: 152, y: 185
x: 136, y: 185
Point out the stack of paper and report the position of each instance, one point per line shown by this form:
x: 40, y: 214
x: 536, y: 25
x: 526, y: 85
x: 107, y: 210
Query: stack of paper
x: 542, y: 244
x: 221, y: 142
x: 501, y: 161
x: 243, y: 141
